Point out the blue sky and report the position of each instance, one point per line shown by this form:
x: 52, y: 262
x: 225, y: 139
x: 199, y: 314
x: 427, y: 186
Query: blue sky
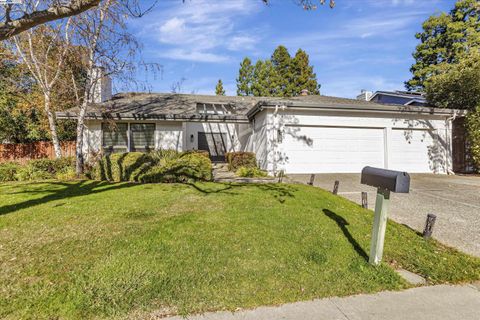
x: 360, y: 44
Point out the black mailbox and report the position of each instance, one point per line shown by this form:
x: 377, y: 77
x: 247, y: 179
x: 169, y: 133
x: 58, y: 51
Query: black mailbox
x: 394, y: 181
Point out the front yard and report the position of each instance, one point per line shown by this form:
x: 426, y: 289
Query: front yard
x: 94, y: 249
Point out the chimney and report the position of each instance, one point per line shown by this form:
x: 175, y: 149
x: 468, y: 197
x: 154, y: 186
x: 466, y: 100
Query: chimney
x: 304, y: 92
x: 365, y: 95
x: 102, y: 87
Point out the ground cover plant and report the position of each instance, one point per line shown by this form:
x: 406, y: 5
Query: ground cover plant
x: 38, y: 169
x: 93, y: 249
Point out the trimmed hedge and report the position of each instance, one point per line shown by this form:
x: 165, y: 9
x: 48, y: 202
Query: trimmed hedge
x: 157, y: 166
x: 39, y: 169
x: 236, y: 160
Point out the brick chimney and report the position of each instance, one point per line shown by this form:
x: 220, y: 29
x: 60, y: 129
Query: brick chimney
x: 304, y: 92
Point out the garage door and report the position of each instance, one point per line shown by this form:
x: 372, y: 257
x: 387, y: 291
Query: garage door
x: 331, y: 149
x: 412, y: 150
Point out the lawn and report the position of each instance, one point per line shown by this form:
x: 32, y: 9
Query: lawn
x: 98, y: 250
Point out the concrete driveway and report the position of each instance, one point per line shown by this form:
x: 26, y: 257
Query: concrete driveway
x: 455, y: 200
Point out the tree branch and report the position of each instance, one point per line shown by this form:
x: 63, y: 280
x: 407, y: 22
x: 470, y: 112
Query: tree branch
x: 33, y: 19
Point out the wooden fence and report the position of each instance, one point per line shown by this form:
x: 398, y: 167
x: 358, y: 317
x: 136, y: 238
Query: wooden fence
x: 22, y: 152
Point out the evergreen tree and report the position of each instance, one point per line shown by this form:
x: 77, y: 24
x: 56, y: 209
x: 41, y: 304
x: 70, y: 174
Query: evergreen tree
x: 245, y: 78
x: 264, y: 79
x: 304, y: 77
x: 219, y: 91
x: 445, y: 39
x: 282, y: 63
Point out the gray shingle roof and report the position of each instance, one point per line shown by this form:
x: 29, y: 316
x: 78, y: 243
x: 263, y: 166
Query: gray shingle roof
x: 184, y: 106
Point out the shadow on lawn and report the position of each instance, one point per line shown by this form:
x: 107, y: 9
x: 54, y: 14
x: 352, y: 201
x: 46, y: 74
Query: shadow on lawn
x: 278, y: 191
x: 342, y: 224
x: 70, y: 190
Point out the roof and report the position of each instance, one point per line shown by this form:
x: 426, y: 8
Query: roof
x: 169, y: 106
x: 403, y: 94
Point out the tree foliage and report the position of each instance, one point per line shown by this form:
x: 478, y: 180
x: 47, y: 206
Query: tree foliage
x: 219, y: 91
x: 280, y: 76
x: 445, y: 39
x: 457, y: 86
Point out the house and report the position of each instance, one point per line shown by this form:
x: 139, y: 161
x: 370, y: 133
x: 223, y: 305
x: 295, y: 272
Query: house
x: 406, y: 98
x: 304, y: 134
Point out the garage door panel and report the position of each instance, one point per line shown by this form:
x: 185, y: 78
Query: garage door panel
x: 332, y: 149
x: 411, y: 150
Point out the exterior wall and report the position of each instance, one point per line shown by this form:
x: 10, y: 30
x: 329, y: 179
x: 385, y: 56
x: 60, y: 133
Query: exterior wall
x: 169, y: 135
x: 92, y: 138
x: 231, y: 130
x: 269, y: 123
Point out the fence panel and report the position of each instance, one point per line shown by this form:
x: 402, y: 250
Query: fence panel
x: 22, y: 152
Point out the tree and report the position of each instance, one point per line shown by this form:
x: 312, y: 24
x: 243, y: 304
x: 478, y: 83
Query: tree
x: 304, y: 77
x: 263, y: 84
x: 245, y: 78
x: 219, y: 91
x: 457, y: 86
x: 43, y: 50
x: 445, y: 39
x: 282, y: 63
x: 280, y: 76
x: 32, y: 13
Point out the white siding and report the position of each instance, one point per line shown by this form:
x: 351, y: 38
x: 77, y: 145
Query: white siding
x: 169, y: 135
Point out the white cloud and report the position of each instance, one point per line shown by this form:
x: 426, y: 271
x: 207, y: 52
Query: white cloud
x: 199, y: 30
x: 193, y: 55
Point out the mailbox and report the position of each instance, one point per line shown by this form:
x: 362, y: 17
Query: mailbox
x: 394, y: 181
x: 385, y: 181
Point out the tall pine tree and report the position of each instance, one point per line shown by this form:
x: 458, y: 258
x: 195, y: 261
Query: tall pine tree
x: 219, y: 91
x: 280, y: 76
x: 445, y: 39
x: 303, y: 75
x: 245, y: 78
x: 282, y: 63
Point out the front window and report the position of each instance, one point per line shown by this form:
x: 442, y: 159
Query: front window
x: 115, y: 137
x: 124, y: 137
x: 142, y: 137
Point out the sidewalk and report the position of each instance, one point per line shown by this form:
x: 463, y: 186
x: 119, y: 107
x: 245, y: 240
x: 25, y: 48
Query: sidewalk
x: 436, y: 303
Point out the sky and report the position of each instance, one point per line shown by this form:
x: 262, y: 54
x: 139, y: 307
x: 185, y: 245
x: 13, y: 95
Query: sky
x: 359, y: 44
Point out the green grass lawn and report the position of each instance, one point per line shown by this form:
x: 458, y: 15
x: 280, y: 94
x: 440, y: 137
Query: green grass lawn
x: 98, y: 250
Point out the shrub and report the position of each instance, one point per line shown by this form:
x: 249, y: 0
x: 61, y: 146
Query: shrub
x: 8, y: 171
x: 188, y: 167
x: 52, y: 166
x: 122, y: 166
x: 236, y: 160
x: 30, y: 172
x: 67, y: 175
x: 251, y: 172
x: 204, y: 153
x: 163, y: 155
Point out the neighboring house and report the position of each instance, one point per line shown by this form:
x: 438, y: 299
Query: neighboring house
x: 305, y: 134
x: 398, y: 97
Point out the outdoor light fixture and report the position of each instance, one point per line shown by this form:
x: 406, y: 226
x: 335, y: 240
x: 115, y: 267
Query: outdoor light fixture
x: 191, y: 138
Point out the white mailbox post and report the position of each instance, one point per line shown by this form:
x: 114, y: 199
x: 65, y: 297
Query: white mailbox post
x: 385, y: 181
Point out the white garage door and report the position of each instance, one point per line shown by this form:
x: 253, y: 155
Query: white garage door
x: 331, y: 149
x: 412, y: 150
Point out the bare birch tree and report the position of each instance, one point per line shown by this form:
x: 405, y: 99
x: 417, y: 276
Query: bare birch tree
x: 43, y: 50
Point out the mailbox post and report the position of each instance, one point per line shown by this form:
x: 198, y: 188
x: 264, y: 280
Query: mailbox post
x: 385, y: 181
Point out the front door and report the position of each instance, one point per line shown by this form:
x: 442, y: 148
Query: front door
x: 214, y: 143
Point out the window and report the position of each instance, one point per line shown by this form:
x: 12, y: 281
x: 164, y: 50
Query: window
x: 115, y: 137
x: 214, y: 108
x: 142, y: 137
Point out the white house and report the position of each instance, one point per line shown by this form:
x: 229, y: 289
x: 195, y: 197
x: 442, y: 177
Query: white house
x: 304, y: 134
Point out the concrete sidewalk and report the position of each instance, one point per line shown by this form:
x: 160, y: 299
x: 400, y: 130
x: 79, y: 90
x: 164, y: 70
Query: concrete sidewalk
x: 436, y: 303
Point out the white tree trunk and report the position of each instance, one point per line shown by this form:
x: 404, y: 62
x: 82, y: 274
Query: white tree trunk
x: 79, y: 148
x: 53, y: 127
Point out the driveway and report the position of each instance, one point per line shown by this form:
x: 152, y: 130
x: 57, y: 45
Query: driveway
x: 455, y: 200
